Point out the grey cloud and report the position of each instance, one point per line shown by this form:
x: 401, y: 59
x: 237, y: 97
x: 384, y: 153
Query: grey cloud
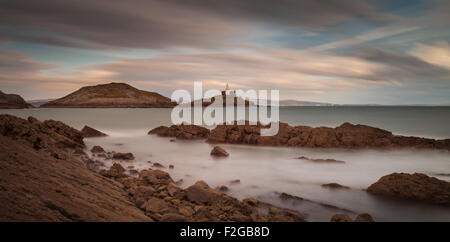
x: 165, y: 23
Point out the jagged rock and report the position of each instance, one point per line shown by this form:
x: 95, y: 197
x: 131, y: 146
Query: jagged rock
x: 219, y: 151
x: 335, y: 186
x: 123, y: 156
x: 97, y: 149
x: 156, y: 205
x: 143, y: 194
x: 365, y: 217
x: 415, y: 186
x: 341, y: 218
x: 89, y: 132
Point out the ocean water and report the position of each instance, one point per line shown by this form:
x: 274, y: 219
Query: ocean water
x: 265, y: 172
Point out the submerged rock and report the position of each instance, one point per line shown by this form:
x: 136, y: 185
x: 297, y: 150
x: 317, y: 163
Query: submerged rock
x: 89, y: 132
x: 320, y: 160
x: 219, y: 151
x: 415, y: 186
x: 335, y: 186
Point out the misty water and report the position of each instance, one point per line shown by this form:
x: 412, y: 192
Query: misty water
x: 265, y: 172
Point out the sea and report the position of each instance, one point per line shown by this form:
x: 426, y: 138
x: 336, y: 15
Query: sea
x: 266, y: 172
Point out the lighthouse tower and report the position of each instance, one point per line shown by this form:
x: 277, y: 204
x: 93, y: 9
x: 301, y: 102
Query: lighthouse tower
x: 227, y: 89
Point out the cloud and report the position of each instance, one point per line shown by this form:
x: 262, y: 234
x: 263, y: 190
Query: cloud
x: 437, y: 54
x: 157, y: 24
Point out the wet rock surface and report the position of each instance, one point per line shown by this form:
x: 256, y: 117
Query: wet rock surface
x: 415, y: 186
x: 123, y: 156
x: 334, y: 185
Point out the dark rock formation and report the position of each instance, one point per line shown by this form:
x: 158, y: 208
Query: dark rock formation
x: 181, y: 131
x: 13, y: 101
x: 415, y: 186
x: 112, y: 95
x: 219, y: 151
x: 53, y: 137
x: 335, y: 186
x: 123, y: 156
x: 115, y: 171
x: 89, y: 132
x: 36, y: 185
x: 347, y: 136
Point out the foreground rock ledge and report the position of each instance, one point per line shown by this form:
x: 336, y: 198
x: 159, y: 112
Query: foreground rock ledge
x: 346, y: 135
x: 415, y: 186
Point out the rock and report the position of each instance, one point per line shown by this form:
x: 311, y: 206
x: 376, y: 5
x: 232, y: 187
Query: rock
x: 273, y: 210
x: 235, y: 182
x: 154, y: 178
x: 97, y: 149
x: 186, y: 211
x: 251, y: 201
x: 173, y: 189
x: 223, y: 188
x: 89, y: 132
x: 172, y: 140
x: 201, y: 193
x: 115, y: 171
x: 341, y: 218
x: 365, y: 217
x: 179, y: 182
x: 320, y: 160
x: 219, y: 151
x: 415, y: 186
x: 123, y: 156
x: 335, y: 186
x: 171, y: 166
x: 156, y: 205
x: 143, y: 194
x: 158, y: 165
x: 344, y: 136
x: 181, y: 131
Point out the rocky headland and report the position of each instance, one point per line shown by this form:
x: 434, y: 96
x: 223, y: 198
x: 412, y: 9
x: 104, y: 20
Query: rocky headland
x: 347, y: 136
x: 13, y: 101
x: 112, y: 95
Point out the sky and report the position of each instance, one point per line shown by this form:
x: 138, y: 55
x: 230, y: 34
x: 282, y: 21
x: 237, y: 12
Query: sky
x: 335, y: 51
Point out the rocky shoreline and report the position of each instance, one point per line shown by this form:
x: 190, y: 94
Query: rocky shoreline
x: 46, y: 175
x: 347, y: 136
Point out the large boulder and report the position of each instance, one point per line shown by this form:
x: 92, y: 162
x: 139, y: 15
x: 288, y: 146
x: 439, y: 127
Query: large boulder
x: 415, y: 186
x: 97, y: 149
x: 89, y: 132
x: 154, y: 178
